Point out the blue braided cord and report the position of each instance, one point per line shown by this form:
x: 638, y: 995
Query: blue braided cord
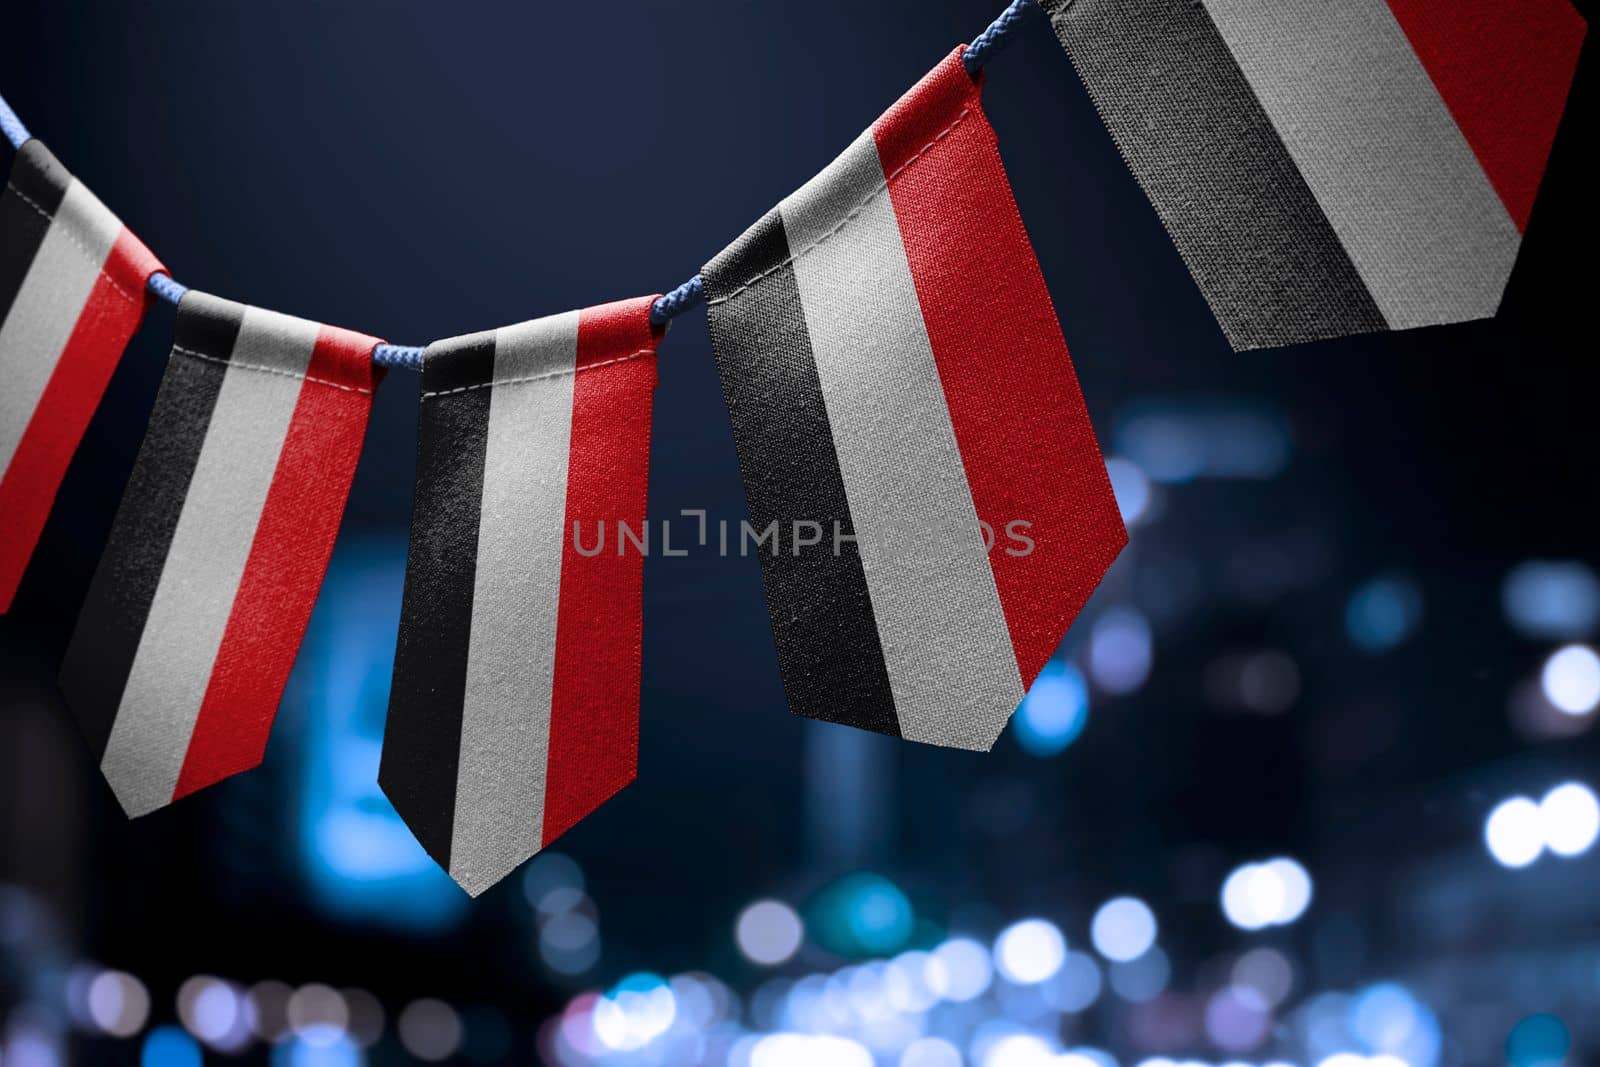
x: 15, y: 131
x: 993, y: 38
x: 164, y: 286
x: 404, y: 356
x: 678, y: 301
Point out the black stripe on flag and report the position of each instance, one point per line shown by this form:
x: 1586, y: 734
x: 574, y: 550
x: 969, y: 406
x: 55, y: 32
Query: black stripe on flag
x: 827, y: 640
x: 37, y: 176
x: 1200, y: 144
x: 97, y: 662
x: 422, y: 740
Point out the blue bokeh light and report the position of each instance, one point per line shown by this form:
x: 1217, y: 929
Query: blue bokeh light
x: 168, y: 1046
x: 340, y: 1052
x: 1549, y: 600
x: 1383, y: 613
x: 1538, y: 1041
x: 1388, y: 1019
x: 1175, y: 443
x: 1054, y: 712
x: 862, y: 915
x: 360, y: 860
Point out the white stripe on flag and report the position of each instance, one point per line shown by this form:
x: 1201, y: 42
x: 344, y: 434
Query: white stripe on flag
x: 1387, y: 163
x: 505, y: 715
x: 46, y: 308
x: 216, y: 528
x: 945, y: 642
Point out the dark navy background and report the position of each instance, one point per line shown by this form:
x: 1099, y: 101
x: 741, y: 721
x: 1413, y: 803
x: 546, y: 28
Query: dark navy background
x: 420, y: 170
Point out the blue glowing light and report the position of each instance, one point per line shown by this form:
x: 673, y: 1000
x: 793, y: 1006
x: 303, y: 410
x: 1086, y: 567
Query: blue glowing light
x: 1130, y: 486
x: 1383, y: 613
x: 1389, y: 1020
x: 1175, y: 443
x: 862, y: 915
x: 168, y: 1046
x: 1538, y: 1041
x: 1552, y: 600
x: 340, y: 1052
x: 1054, y: 712
x: 359, y: 858
x: 1120, y: 650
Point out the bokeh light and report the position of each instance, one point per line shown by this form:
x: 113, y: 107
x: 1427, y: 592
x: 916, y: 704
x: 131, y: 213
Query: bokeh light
x: 1383, y: 613
x: 1548, y: 600
x: 118, y: 1003
x: 1123, y: 929
x: 1274, y: 893
x: 1018, y: 1050
x: 1030, y: 951
x: 962, y: 970
x: 169, y: 1046
x: 1237, y: 1018
x: 1569, y: 817
x: 639, y: 1009
x: 1389, y: 1020
x: 1539, y: 1041
x: 861, y: 915
x: 1571, y: 679
x: 1076, y: 986
x: 429, y: 1029
x: 1120, y: 650
x: 269, y: 1009
x: 1054, y: 712
x: 1142, y: 979
x: 215, y: 1012
x: 1131, y: 487
x: 769, y: 932
x: 1514, y: 832
x: 318, y: 1014
x: 1267, y: 971
x: 803, y: 1050
x: 930, y: 1052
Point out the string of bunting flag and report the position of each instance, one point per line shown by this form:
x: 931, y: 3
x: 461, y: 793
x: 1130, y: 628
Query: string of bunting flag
x: 927, y: 498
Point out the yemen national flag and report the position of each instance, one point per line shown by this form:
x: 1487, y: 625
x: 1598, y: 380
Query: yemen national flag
x: 896, y: 377
x: 1330, y: 168
x: 72, y: 292
x: 196, y: 612
x: 515, y: 706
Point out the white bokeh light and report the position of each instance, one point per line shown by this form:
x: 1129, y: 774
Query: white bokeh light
x: 1237, y: 900
x: 118, y: 1003
x: 638, y: 1010
x: 1571, y: 679
x: 1514, y: 832
x: 1274, y: 893
x: 1296, y: 886
x: 1123, y: 929
x: 804, y: 1050
x: 1019, y: 1050
x: 960, y: 970
x: 769, y: 932
x: 1030, y: 951
x: 1569, y: 817
x: 930, y: 1052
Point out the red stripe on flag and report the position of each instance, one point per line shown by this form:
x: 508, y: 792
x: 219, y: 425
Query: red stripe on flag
x: 1503, y: 70
x: 594, y: 705
x: 116, y: 304
x: 294, y: 539
x: 1020, y: 422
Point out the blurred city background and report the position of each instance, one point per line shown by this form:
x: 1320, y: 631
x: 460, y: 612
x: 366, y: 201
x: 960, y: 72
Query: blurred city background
x: 1311, y: 782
